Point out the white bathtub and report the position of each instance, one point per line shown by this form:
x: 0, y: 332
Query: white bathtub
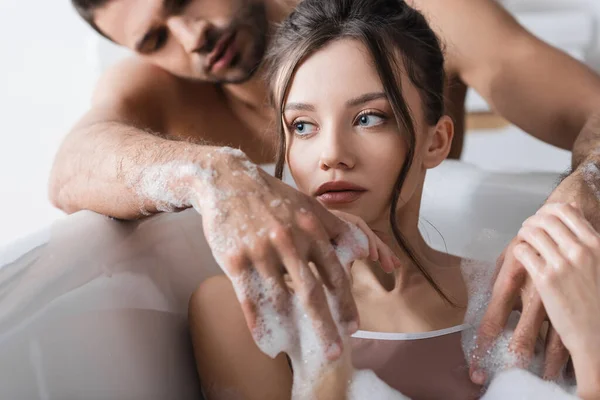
x: 93, y: 308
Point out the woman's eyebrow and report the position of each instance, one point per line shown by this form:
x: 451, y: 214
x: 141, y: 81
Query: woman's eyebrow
x: 365, y: 98
x: 299, y: 107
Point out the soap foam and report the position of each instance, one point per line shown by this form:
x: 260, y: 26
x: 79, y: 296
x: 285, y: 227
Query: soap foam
x: 351, y: 245
x: 366, y: 385
x: 173, y: 185
x: 479, y: 279
x: 169, y: 186
x: 520, y: 384
x: 591, y: 176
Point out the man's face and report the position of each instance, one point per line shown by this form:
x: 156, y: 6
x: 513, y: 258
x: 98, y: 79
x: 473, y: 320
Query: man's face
x: 214, y: 40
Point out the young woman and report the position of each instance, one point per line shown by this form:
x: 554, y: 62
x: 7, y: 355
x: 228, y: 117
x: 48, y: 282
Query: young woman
x: 359, y: 88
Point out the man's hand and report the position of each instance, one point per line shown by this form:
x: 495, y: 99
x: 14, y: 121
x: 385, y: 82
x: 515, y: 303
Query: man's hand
x: 254, y: 222
x: 561, y: 252
x: 514, y: 289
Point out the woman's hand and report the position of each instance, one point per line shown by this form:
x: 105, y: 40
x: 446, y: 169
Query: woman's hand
x: 378, y: 250
x: 561, y: 252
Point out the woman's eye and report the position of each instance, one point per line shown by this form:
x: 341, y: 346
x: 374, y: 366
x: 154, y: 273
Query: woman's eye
x: 369, y: 120
x: 303, y: 128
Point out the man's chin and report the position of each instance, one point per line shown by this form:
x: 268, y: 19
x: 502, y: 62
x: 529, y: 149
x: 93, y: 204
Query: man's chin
x: 234, y: 77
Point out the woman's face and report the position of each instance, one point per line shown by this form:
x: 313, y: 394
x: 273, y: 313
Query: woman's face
x: 344, y: 145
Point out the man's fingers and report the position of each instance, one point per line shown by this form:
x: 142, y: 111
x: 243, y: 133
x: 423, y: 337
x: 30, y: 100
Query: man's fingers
x: 505, y: 292
x: 343, y: 300
x: 333, y: 225
x: 332, y: 273
x: 266, y: 263
x: 311, y: 294
x: 525, y: 336
x: 492, y: 325
x: 309, y: 291
x: 499, y: 264
x: 557, y: 356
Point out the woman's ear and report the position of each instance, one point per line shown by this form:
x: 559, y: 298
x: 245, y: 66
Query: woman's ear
x: 439, y: 143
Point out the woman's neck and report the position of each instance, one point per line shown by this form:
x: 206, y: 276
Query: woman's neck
x: 407, y: 224
x: 404, y: 301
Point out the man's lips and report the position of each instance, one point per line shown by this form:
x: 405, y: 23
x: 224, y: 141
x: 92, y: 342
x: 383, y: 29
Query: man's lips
x: 339, y: 192
x: 222, y: 50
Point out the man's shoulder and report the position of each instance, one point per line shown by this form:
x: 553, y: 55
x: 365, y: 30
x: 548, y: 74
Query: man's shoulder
x: 135, y: 79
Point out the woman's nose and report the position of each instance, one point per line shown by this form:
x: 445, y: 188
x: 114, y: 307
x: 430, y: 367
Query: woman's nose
x: 337, y: 151
x: 190, y: 32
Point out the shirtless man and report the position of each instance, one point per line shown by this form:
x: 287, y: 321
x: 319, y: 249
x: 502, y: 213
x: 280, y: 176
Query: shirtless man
x: 195, y: 85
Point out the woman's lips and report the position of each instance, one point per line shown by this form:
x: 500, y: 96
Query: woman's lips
x: 341, y: 197
x: 339, y: 192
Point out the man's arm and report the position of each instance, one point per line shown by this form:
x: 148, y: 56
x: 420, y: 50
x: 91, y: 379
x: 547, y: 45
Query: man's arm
x: 551, y: 96
x: 102, y: 157
x: 535, y: 86
x: 111, y: 164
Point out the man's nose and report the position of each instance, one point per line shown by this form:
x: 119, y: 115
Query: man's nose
x: 191, y: 33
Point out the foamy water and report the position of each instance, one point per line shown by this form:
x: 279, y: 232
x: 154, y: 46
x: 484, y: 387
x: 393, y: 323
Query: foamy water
x: 519, y: 384
x: 591, y: 175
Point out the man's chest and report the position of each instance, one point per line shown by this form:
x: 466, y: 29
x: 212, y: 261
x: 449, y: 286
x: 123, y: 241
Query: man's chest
x: 218, y: 123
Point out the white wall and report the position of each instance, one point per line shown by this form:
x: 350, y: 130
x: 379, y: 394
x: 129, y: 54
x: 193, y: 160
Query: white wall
x: 48, y: 67
x: 45, y: 84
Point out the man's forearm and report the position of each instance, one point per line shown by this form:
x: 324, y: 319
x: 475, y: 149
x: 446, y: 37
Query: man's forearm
x: 585, y: 176
x: 99, y: 168
x: 586, y: 148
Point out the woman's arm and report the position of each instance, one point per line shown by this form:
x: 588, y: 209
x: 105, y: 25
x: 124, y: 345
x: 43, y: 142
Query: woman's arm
x: 561, y: 252
x: 230, y: 365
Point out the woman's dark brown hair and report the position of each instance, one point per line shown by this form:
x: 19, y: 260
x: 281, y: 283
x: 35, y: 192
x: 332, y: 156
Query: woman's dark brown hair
x: 397, y: 36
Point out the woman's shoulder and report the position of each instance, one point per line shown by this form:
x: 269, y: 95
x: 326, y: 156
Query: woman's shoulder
x: 226, y: 356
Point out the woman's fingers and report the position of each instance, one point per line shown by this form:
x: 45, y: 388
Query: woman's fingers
x: 378, y: 249
x: 537, y: 238
x: 555, y: 228
x: 530, y: 259
x: 388, y: 260
x: 578, y: 242
x: 574, y: 219
x: 362, y: 225
x: 374, y: 253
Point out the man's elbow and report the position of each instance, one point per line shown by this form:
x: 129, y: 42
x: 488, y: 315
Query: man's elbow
x: 56, y: 193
